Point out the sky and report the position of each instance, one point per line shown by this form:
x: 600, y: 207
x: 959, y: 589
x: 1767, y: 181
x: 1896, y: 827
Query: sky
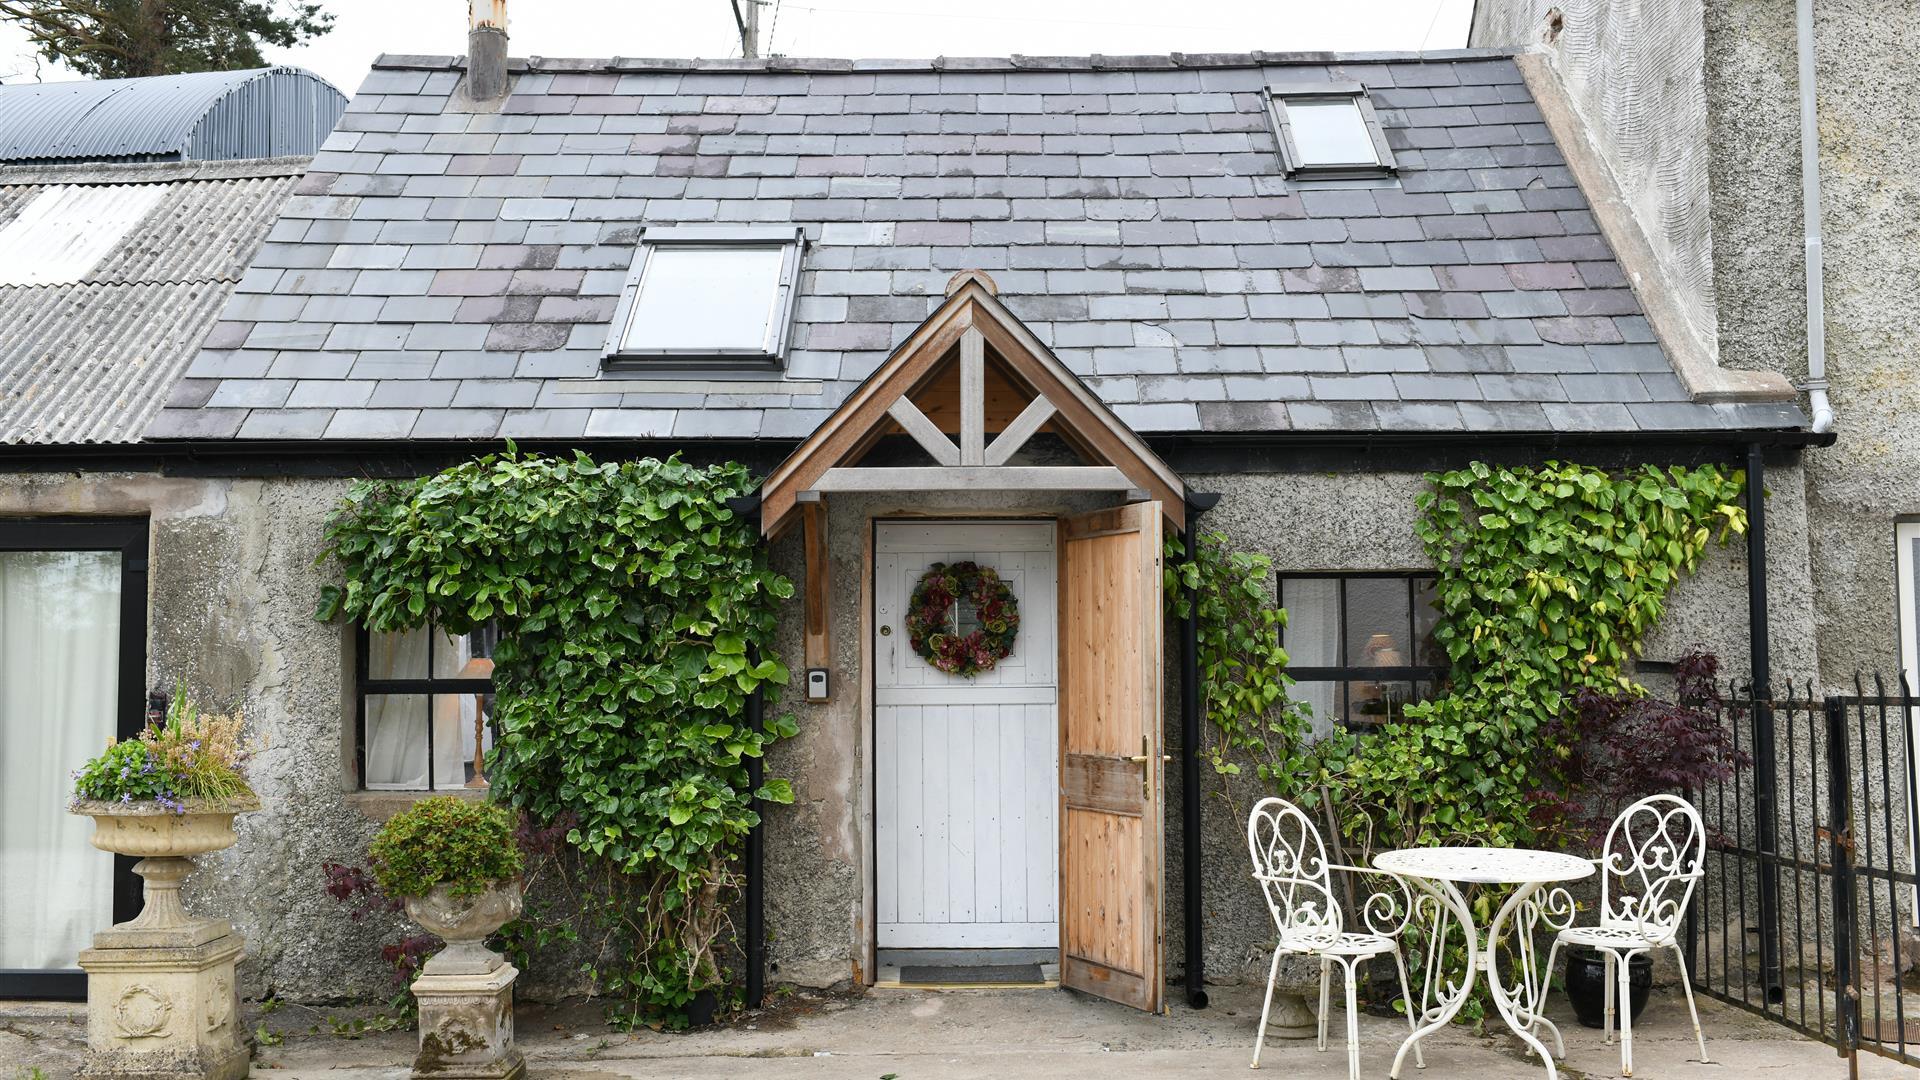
x: 851, y: 28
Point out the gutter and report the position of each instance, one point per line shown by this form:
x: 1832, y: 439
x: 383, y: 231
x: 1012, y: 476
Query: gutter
x: 1816, y: 384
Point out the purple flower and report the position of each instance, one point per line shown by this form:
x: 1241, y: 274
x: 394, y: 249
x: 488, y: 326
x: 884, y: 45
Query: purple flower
x: 126, y: 796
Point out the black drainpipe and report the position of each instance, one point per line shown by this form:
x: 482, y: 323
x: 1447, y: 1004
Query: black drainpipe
x: 1765, y: 797
x: 756, y: 864
x: 748, y: 507
x: 1190, y: 706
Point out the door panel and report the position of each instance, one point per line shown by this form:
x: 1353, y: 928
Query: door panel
x: 72, y: 637
x: 966, y: 770
x: 1111, y: 629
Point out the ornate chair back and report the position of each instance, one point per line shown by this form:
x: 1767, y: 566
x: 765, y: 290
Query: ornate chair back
x: 1290, y: 863
x: 1654, y: 854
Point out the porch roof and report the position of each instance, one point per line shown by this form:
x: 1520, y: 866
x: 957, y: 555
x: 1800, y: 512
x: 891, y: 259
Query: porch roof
x: 451, y: 273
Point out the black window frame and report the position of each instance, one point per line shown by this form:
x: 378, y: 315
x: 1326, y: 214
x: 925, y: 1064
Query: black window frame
x: 129, y: 536
x: 1294, y: 165
x: 617, y: 358
x: 364, y: 686
x: 1345, y: 672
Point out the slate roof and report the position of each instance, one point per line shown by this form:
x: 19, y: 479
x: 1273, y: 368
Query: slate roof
x: 92, y: 359
x: 451, y: 273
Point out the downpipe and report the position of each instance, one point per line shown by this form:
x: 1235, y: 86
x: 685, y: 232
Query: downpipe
x: 1195, y: 966
x: 1816, y: 384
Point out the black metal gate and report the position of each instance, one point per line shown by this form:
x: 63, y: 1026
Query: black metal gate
x: 1807, y: 914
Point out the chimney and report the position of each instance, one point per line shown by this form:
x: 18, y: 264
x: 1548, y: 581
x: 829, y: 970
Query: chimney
x: 486, y: 49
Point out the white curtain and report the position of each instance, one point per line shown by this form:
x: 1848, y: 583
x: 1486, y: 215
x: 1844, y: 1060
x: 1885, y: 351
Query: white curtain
x: 1313, y: 640
x: 397, y: 723
x: 59, y: 678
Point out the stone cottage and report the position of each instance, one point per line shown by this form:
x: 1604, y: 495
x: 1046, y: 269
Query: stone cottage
x: 1035, y: 312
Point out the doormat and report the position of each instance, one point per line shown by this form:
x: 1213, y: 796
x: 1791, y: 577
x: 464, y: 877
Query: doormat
x: 968, y: 975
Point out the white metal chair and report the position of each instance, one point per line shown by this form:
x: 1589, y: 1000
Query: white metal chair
x: 1290, y: 863
x: 1654, y: 854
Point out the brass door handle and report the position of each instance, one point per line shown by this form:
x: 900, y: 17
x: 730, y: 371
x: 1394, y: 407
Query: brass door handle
x: 1146, y: 774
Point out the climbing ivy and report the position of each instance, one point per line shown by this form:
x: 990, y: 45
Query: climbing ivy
x: 1548, y: 578
x: 633, y: 605
x: 1242, y: 665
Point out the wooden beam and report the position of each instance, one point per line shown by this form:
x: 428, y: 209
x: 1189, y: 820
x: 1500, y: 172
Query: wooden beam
x: 931, y: 438
x: 1037, y: 412
x: 973, y: 397
x: 819, y: 644
x: 978, y: 478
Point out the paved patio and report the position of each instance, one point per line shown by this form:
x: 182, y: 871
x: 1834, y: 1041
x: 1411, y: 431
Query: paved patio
x: 1006, y: 1035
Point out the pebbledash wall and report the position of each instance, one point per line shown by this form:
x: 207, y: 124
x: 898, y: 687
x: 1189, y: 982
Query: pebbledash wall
x: 234, y: 588
x: 1713, y: 85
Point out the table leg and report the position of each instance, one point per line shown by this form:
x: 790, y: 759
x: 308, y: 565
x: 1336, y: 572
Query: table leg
x: 1447, y: 899
x: 1519, y: 1015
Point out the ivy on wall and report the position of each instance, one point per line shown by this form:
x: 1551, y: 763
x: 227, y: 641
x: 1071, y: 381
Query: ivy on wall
x: 1548, y: 577
x: 631, y: 602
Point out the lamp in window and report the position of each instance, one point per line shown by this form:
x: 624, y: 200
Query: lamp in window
x: 480, y: 667
x: 1372, y: 699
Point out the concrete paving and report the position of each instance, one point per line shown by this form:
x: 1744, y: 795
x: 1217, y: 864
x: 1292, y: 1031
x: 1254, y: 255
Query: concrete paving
x: 1002, y: 1034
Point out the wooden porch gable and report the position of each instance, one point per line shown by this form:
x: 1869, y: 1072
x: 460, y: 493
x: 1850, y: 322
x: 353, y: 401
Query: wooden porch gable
x: 972, y: 369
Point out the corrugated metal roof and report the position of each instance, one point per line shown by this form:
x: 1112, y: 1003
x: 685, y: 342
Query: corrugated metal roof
x: 94, y: 360
x: 59, y: 236
x: 204, y: 116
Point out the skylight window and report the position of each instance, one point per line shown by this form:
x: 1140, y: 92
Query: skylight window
x: 1329, y: 131
x: 707, y: 297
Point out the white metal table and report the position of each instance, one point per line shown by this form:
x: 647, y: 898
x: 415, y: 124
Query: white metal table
x: 1438, y: 873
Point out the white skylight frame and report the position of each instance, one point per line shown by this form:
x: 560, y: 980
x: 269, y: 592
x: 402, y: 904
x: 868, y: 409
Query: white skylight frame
x: 1295, y: 164
x: 770, y: 352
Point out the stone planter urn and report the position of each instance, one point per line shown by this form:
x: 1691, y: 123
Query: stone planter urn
x: 161, y: 998
x: 465, y: 990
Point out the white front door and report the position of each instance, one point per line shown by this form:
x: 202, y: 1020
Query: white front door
x: 966, y: 785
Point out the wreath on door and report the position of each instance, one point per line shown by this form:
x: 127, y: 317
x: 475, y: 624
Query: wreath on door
x: 972, y: 639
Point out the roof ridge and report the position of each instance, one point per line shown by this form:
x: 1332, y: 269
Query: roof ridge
x: 157, y: 172
x: 1013, y: 62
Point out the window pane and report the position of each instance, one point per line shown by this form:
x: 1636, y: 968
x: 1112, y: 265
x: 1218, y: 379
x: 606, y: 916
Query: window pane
x: 694, y: 299
x: 396, y: 741
x: 1426, y: 612
x: 461, y: 656
x: 462, y: 727
x: 1377, y: 623
x: 1313, y: 621
x: 397, y: 656
x: 1319, y: 700
x: 59, y: 686
x: 1330, y: 131
x: 1375, y: 704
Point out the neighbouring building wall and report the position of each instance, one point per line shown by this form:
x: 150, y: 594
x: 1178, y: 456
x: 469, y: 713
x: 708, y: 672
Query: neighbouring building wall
x: 1868, y: 79
x: 1633, y: 72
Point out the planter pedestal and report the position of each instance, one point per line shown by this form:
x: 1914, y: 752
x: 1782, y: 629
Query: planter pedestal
x: 466, y: 1026
x: 161, y: 1003
x: 465, y: 990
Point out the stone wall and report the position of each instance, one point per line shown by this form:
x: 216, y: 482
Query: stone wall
x: 234, y: 588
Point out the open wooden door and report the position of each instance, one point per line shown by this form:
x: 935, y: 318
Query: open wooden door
x: 1110, y: 764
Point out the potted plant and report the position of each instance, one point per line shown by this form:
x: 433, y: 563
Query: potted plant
x: 165, y: 797
x: 456, y: 866
x: 1627, y: 746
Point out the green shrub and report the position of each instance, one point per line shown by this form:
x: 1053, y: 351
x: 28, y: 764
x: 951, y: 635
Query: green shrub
x: 464, y: 845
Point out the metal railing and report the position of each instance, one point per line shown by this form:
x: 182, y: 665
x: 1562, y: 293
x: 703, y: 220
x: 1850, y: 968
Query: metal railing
x: 1808, y: 912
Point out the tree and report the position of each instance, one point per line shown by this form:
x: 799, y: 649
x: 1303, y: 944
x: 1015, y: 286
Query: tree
x: 118, y: 39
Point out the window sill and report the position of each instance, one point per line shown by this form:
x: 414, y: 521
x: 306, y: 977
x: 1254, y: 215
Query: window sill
x: 381, y: 805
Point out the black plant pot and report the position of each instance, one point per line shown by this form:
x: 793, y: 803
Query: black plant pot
x: 702, y: 1009
x: 1587, y: 985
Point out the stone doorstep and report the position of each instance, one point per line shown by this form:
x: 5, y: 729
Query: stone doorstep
x: 466, y: 1026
